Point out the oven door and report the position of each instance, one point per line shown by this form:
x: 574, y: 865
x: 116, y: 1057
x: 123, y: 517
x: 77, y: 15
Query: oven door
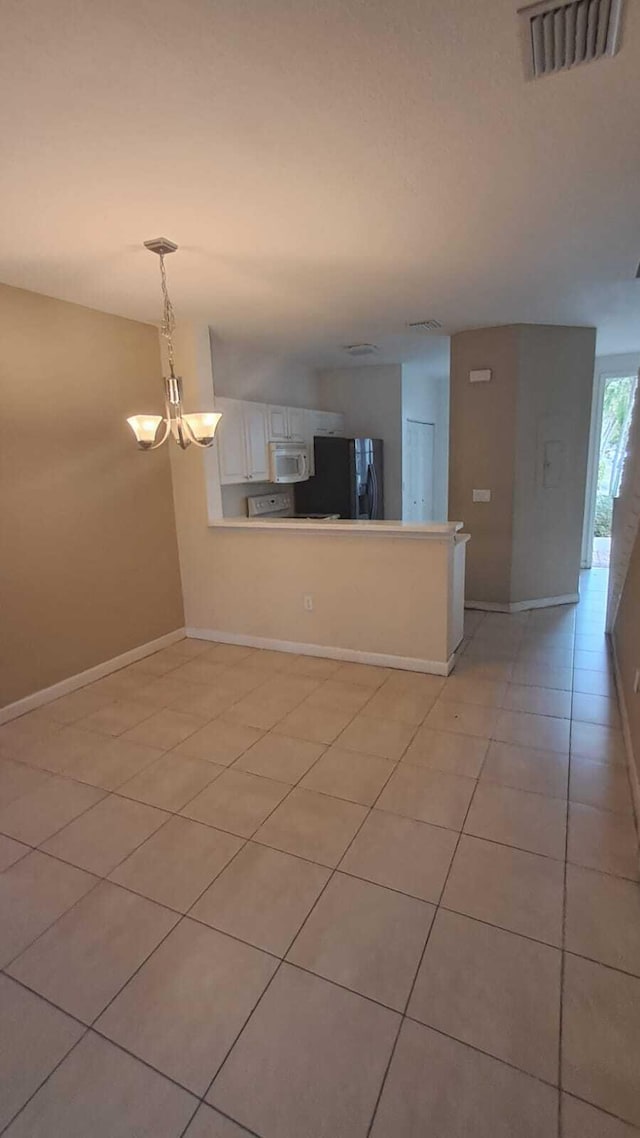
x: 288, y: 462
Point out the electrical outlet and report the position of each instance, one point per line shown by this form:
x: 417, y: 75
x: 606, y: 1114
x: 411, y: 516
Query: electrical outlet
x: 636, y: 682
x: 307, y: 601
x: 482, y: 495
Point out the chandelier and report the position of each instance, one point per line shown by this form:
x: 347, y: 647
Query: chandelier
x: 151, y: 431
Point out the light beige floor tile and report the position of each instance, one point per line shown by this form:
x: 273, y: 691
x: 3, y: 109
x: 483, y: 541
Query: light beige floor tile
x: 381, y: 737
x: 518, y: 891
x: 166, y: 691
x: 333, y: 695
x: 316, y: 724
x: 220, y: 742
x: 237, y: 802
x: 289, y: 690
x: 315, y: 666
x: 199, y: 671
x: 532, y: 822
x: 602, y: 840
x: 467, y: 689
x: 524, y: 768
x: 76, y: 705
x: 539, y: 731
x: 260, y: 712
x: 598, y: 743
x: 447, y: 751
x: 364, y: 675
x: 604, y: 785
x: 538, y: 701
x: 209, y: 1123
x: 64, y: 750
x: 160, y: 663
x: 100, y: 1091
x: 17, y: 779
x: 349, y: 774
x: 312, y: 825
x: 428, y: 795
x: 547, y: 655
x: 123, y: 684
x: 262, y: 897
x: 286, y: 1076
x: 34, y: 892
x: 116, y: 761
x: 402, y: 702
x: 116, y: 717
x: 229, y: 653
x: 165, y: 729
x: 35, y: 1037
x: 601, y: 1037
x: 540, y: 675
x: 184, y: 1008
x: 93, y: 949
x: 367, y: 938
x: 207, y: 700
x: 177, y: 863
x: 34, y: 817
x: 594, y: 683
x: 107, y: 833
x: 268, y: 659
x: 591, y: 641
x: 579, y: 1120
x: 496, y: 671
x: 11, y: 852
x: 495, y: 990
x: 463, y: 718
x: 19, y: 735
x: 403, y: 854
x: 171, y: 781
x: 485, y: 652
x: 592, y: 661
x: 592, y: 708
x: 603, y: 918
x: 280, y: 757
x: 441, y: 1087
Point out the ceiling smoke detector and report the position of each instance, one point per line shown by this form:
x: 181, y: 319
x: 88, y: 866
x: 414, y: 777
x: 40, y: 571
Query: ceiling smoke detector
x: 424, y: 325
x: 361, y: 349
x: 556, y: 36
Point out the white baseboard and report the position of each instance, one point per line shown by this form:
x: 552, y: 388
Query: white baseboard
x: 522, y: 606
x: 353, y: 655
x: 632, y: 765
x: 81, y: 679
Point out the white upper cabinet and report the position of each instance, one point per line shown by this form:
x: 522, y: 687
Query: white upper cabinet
x: 325, y: 423
x: 256, y: 442
x: 286, y: 424
x: 242, y: 441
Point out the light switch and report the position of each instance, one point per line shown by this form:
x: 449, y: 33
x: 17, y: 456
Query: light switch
x: 481, y: 375
x: 482, y: 495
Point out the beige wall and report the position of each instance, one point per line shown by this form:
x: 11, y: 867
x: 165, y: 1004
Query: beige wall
x: 481, y: 455
x: 525, y: 543
x: 627, y: 644
x: 89, y: 559
x: 370, y: 399
x: 555, y: 385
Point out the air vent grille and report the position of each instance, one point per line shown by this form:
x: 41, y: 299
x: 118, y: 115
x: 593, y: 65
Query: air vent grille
x: 361, y: 349
x: 425, y: 325
x: 557, y: 36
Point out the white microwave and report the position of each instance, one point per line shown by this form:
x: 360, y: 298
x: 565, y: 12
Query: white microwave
x: 288, y: 462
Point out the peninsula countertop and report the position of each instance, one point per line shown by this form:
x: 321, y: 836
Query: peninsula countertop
x: 434, y: 531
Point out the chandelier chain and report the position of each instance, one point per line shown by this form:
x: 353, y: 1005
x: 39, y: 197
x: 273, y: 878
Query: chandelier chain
x: 168, y: 323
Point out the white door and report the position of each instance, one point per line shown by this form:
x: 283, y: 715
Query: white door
x: 256, y: 442
x: 419, y: 439
x: 278, y: 424
x: 230, y: 438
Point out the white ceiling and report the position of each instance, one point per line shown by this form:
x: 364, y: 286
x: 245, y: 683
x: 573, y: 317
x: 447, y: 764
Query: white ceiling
x: 330, y: 168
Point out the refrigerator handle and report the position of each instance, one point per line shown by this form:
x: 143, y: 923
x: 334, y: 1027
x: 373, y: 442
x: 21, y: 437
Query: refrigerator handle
x: 372, y: 491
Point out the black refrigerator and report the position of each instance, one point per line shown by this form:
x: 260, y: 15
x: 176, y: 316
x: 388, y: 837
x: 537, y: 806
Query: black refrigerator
x: 348, y: 479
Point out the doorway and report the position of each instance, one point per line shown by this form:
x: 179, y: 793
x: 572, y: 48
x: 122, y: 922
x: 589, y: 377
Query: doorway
x: 611, y: 417
x: 419, y: 443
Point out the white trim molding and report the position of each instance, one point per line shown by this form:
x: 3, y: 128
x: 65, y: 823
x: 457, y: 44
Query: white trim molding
x: 522, y: 606
x: 632, y: 766
x: 327, y: 651
x: 81, y: 679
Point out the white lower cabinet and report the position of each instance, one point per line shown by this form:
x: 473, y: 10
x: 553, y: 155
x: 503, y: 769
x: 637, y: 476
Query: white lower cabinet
x: 242, y: 441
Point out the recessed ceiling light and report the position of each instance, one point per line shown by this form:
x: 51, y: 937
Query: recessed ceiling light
x: 361, y: 349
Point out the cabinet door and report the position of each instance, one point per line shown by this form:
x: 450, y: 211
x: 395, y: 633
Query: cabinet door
x: 278, y: 424
x: 326, y: 422
x: 256, y: 442
x: 230, y: 439
x: 297, y: 424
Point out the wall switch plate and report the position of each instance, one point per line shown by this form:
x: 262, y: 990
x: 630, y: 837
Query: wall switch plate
x: 480, y: 375
x: 636, y: 682
x: 482, y: 495
x: 307, y: 601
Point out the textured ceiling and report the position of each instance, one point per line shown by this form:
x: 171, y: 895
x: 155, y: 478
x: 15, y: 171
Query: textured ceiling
x: 330, y: 169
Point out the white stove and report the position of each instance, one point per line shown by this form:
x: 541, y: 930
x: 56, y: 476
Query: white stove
x: 281, y: 505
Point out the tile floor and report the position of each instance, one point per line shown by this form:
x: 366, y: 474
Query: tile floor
x: 244, y: 893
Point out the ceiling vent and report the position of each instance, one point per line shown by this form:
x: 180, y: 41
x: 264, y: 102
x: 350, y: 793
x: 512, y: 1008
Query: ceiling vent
x: 557, y: 36
x: 361, y: 349
x: 425, y: 325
